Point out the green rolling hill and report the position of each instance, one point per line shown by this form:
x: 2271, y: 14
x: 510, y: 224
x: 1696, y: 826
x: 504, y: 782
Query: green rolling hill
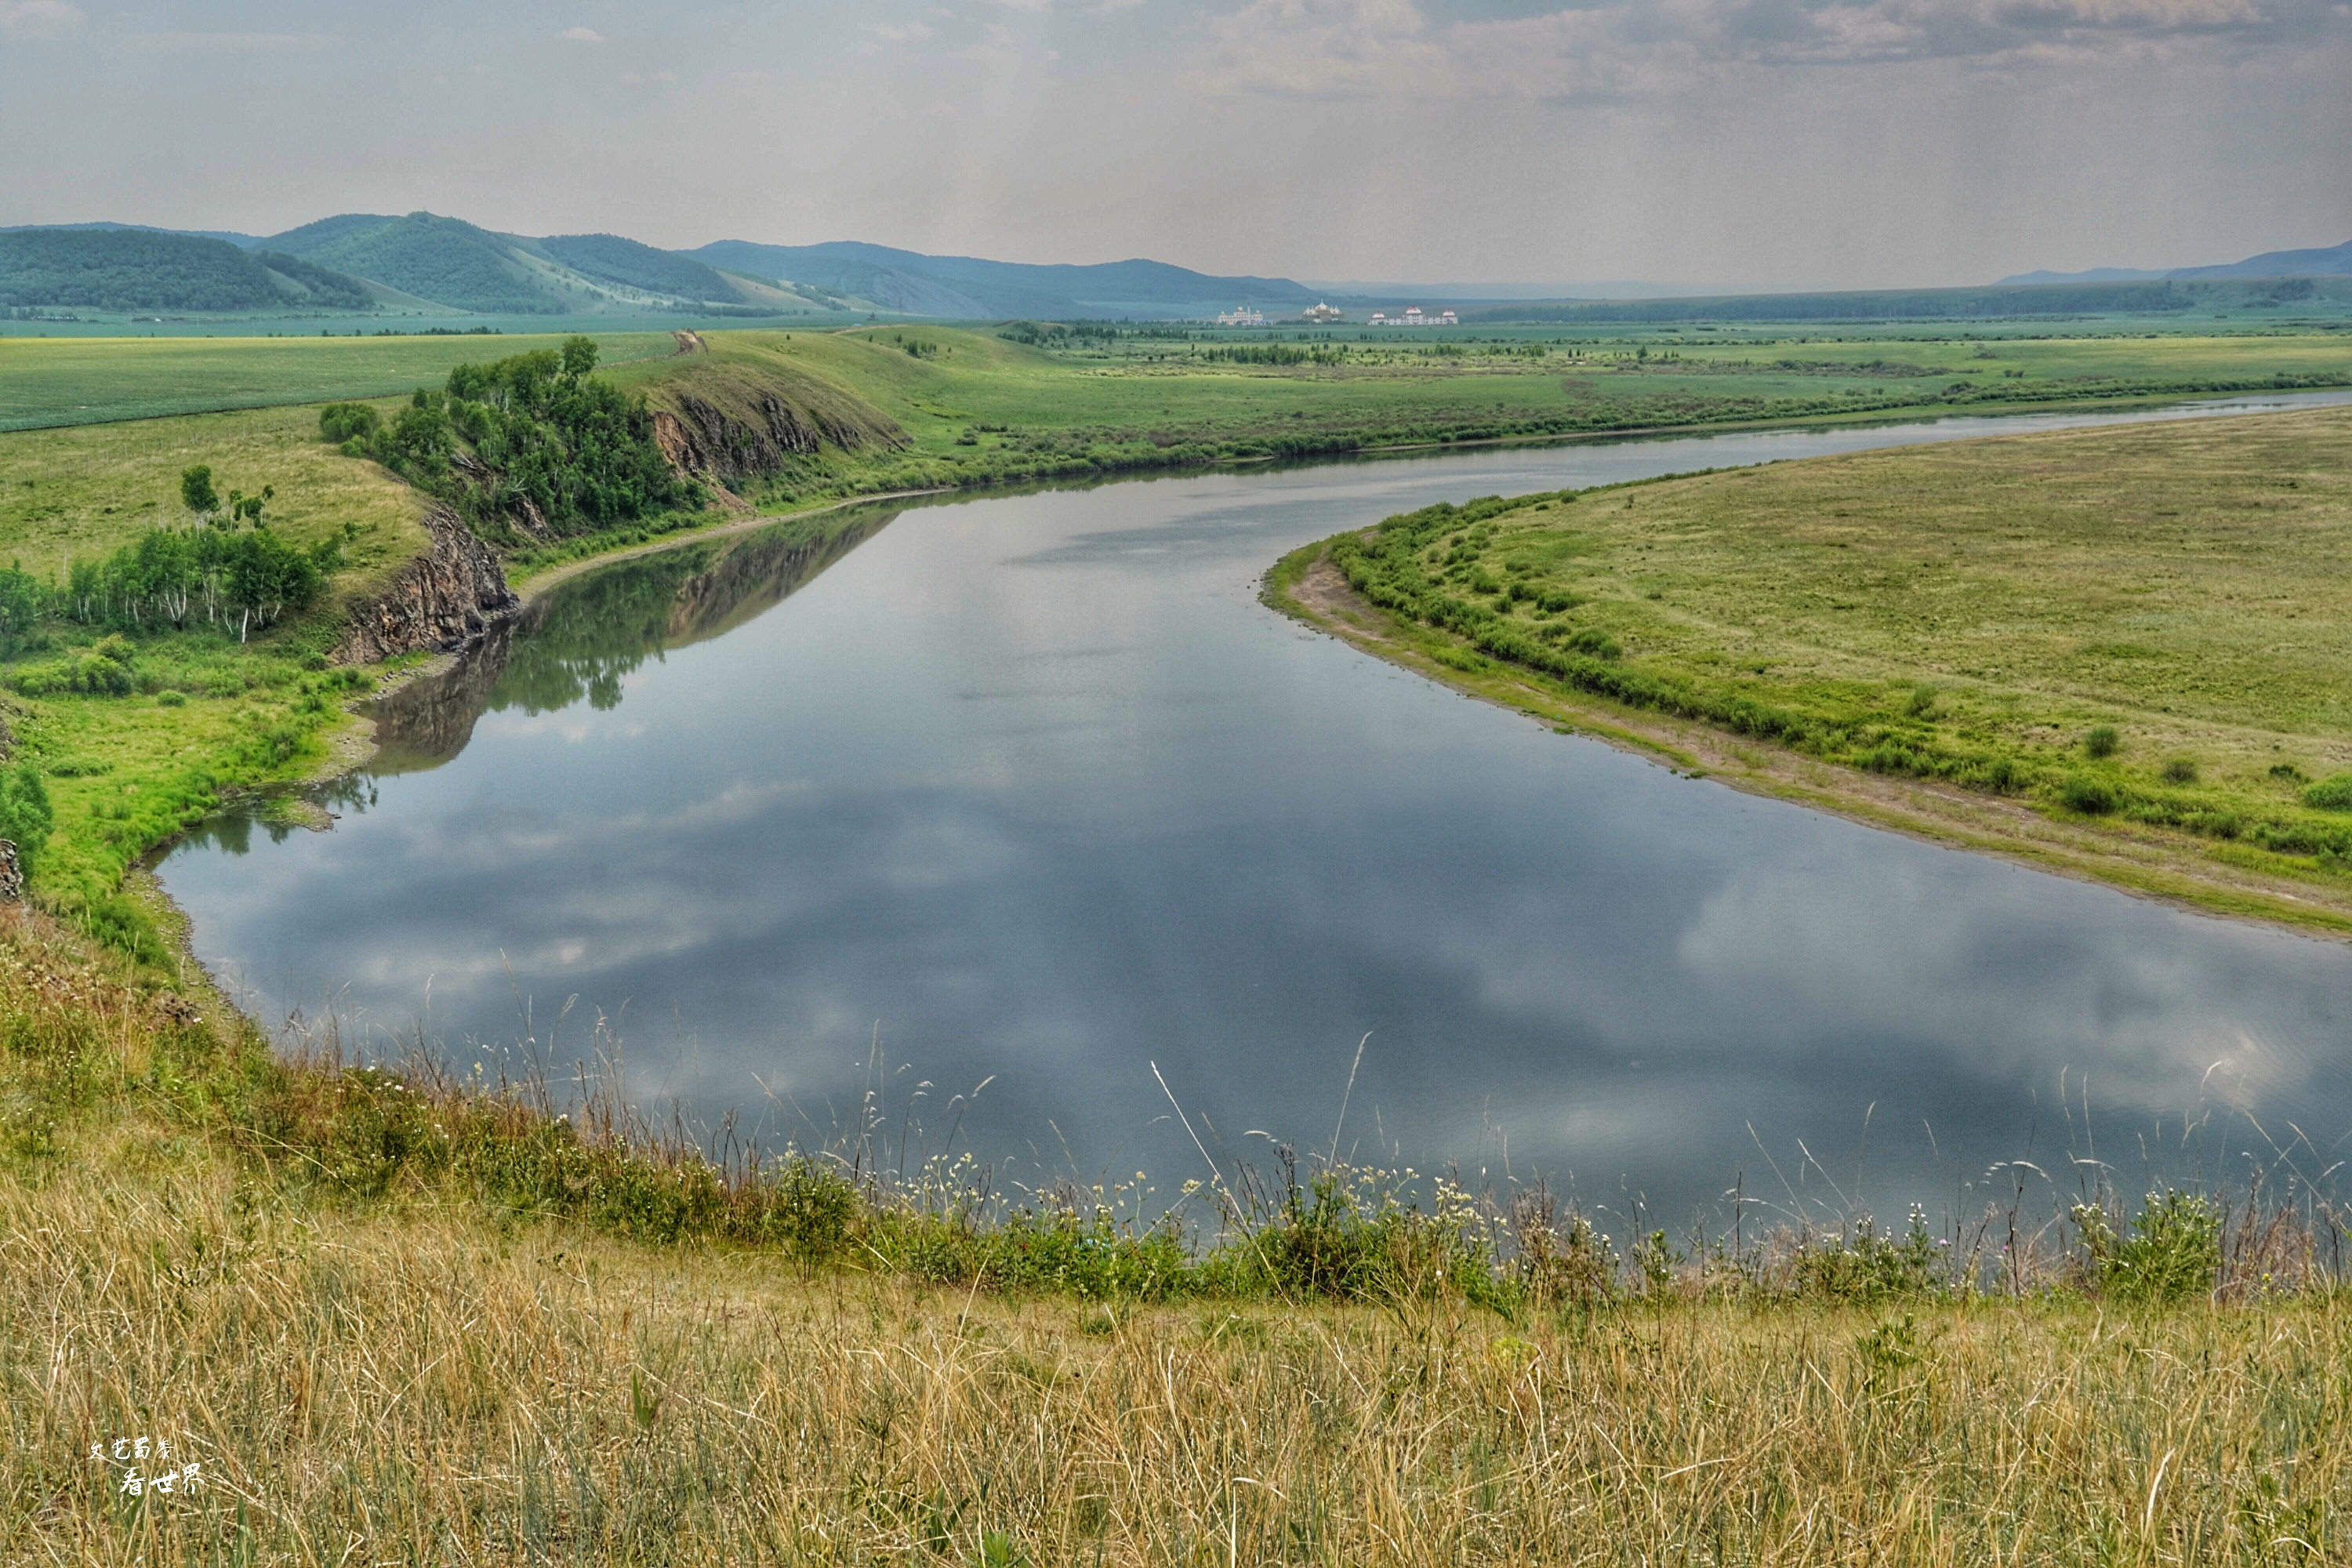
x: 443, y: 260
x: 149, y: 269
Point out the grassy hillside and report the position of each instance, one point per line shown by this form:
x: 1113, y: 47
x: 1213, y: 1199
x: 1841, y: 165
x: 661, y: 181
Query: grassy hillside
x: 139, y: 270
x: 382, y: 1318
x: 609, y: 258
x: 2135, y: 639
x: 443, y: 260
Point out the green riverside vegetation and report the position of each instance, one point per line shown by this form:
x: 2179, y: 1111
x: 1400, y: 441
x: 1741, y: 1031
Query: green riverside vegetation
x: 2138, y: 631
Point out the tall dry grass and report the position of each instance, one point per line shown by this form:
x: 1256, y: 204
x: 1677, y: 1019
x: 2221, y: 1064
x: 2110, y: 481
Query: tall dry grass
x: 429, y: 1387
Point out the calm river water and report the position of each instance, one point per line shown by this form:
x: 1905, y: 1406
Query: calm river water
x: 1030, y: 789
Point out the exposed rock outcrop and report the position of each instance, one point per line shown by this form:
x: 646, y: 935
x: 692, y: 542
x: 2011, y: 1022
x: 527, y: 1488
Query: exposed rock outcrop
x: 12, y: 876
x: 444, y: 600
x: 699, y: 437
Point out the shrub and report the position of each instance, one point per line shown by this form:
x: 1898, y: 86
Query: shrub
x: 2174, y: 1251
x: 2102, y: 741
x: 2331, y: 793
x: 2180, y: 771
x: 168, y: 699
x: 1922, y: 701
x: 2092, y: 797
x: 344, y: 422
x: 1869, y: 1266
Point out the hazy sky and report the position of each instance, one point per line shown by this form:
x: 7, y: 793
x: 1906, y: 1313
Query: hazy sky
x: 1827, y: 143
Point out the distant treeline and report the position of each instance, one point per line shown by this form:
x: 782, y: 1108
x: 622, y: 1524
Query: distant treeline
x: 526, y: 449
x: 1921, y: 304
x: 139, y: 270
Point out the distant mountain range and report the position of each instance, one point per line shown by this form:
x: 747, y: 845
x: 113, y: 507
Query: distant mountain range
x: 965, y: 285
x: 2333, y: 263
x: 423, y: 262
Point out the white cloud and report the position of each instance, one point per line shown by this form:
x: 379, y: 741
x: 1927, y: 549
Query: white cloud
x: 1351, y: 48
x: 581, y: 35
x: 905, y: 31
x: 44, y: 19
x: 1323, y: 47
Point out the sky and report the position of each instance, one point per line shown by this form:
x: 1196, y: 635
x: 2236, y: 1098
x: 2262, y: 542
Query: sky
x: 1755, y: 143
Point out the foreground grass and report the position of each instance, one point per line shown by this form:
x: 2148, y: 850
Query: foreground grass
x: 2136, y: 635
x: 430, y: 1389
x: 420, y: 1322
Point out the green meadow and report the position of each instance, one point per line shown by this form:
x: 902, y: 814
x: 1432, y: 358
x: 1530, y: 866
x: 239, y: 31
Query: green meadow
x: 2136, y: 638
x: 47, y: 382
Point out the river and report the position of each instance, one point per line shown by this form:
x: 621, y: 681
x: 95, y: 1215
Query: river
x: 1030, y: 789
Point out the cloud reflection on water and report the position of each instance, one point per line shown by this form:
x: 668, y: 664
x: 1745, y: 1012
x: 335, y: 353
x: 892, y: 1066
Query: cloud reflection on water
x: 1038, y: 805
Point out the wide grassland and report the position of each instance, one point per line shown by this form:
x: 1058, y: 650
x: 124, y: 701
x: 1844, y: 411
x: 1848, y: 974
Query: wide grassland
x: 2137, y: 639
x: 978, y: 385
x: 47, y: 382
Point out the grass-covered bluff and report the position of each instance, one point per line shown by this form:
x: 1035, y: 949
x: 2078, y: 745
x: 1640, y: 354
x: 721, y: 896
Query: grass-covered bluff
x: 2126, y: 631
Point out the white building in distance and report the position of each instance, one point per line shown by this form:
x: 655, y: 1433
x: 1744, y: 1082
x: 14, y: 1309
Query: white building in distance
x: 1416, y: 317
x: 1242, y: 316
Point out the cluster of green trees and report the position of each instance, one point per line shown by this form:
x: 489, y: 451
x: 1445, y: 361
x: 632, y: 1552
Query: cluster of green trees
x: 229, y: 572
x: 530, y: 449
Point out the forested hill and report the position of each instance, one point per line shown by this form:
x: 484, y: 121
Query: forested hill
x: 609, y: 259
x: 147, y: 269
x: 443, y: 259
x: 975, y: 288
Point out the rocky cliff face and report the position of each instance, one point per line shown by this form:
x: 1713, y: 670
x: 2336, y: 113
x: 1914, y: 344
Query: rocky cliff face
x: 698, y: 436
x: 446, y: 599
